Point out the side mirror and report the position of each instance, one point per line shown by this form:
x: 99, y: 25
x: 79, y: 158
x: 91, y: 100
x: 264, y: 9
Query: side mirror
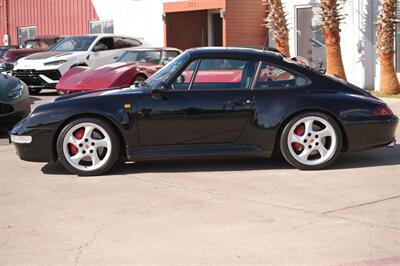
x: 7, y: 66
x: 322, y: 70
x: 158, y: 89
x: 100, y: 47
x: 180, y: 79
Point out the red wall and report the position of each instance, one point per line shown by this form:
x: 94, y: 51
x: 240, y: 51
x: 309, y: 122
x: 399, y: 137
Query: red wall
x: 63, y: 17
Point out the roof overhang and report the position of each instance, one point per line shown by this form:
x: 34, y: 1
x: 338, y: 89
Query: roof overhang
x: 193, y: 5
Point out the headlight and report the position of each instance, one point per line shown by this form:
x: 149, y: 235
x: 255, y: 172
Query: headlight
x: 55, y: 63
x: 16, y: 92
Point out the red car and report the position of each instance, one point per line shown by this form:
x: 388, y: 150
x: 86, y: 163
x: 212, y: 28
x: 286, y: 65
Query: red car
x: 32, y: 45
x: 133, y: 66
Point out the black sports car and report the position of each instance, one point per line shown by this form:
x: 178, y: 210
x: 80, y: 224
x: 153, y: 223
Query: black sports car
x: 14, y: 101
x: 210, y: 102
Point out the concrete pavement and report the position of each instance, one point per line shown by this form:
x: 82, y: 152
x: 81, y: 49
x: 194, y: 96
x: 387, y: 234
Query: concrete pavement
x: 229, y: 212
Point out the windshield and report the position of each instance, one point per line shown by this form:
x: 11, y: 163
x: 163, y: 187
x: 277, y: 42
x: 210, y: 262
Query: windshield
x: 73, y: 43
x: 168, y: 70
x: 149, y: 56
x: 2, y: 51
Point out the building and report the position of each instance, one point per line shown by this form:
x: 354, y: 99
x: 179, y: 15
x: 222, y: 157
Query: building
x: 182, y: 24
x: 358, y: 38
x: 192, y: 23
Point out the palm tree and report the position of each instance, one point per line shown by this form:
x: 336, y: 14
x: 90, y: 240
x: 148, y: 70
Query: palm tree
x: 331, y: 18
x: 389, y: 83
x: 277, y: 23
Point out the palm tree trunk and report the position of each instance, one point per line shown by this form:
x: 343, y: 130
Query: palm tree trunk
x: 389, y: 83
x: 331, y: 30
x: 334, y: 62
x: 277, y: 23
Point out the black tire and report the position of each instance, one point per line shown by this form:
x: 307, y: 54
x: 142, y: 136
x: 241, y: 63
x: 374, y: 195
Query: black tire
x: 34, y: 91
x: 138, y: 80
x: 284, y: 147
x: 115, y: 147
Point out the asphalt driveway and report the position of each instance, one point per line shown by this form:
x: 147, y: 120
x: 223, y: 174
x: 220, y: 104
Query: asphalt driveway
x: 251, y: 211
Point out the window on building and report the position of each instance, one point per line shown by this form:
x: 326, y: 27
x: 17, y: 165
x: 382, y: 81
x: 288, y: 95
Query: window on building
x: 24, y: 33
x: 309, y: 40
x: 101, y: 26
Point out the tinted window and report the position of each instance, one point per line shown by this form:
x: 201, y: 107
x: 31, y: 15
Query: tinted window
x: 224, y: 74
x: 272, y: 76
x: 166, y: 72
x: 171, y: 54
x: 108, y: 42
x: 125, y: 43
x: 182, y: 82
x: 150, y: 56
x: 74, y: 43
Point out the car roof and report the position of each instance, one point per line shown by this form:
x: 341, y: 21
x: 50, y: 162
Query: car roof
x: 235, y: 52
x: 43, y: 37
x: 154, y: 49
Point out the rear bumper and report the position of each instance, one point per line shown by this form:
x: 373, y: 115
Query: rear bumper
x: 371, y: 134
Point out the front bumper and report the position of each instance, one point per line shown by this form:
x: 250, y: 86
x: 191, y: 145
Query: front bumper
x: 38, y: 79
x: 33, y: 144
x: 379, y: 132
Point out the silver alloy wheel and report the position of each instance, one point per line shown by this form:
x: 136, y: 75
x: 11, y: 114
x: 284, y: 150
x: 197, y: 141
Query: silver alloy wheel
x: 317, y: 142
x: 93, y: 148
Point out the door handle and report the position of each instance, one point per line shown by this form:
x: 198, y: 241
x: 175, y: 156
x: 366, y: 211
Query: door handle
x: 240, y: 102
x: 115, y: 57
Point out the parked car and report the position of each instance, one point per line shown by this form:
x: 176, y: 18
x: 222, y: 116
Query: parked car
x: 43, y: 70
x: 14, y: 101
x: 3, y: 50
x: 32, y: 45
x: 132, y: 66
x: 276, y: 104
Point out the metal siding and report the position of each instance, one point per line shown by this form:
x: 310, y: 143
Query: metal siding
x: 65, y: 17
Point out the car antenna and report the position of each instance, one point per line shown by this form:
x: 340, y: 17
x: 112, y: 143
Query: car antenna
x: 265, y: 42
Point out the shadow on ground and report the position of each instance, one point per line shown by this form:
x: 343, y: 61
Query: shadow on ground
x: 372, y: 158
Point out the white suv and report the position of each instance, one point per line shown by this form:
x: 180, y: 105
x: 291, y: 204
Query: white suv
x: 43, y: 70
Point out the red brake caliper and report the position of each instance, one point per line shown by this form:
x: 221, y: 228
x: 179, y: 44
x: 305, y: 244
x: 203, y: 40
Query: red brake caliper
x: 299, y: 131
x: 78, y: 134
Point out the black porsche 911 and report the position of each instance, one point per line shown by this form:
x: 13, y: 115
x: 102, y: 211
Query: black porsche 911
x: 210, y: 102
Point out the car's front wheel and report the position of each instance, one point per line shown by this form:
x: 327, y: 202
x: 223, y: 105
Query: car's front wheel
x: 311, y: 141
x: 88, y: 146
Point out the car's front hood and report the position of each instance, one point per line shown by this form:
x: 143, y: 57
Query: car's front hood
x: 96, y: 78
x: 103, y: 92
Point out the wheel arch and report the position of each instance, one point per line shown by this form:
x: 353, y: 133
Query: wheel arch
x: 88, y: 115
x: 314, y: 110
x: 140, y: 74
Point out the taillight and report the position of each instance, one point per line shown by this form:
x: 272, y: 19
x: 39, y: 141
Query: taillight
x: 383, y: 110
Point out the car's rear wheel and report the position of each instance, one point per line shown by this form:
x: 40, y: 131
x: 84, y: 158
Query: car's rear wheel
x: 311, y: 141
x: 88, y: 146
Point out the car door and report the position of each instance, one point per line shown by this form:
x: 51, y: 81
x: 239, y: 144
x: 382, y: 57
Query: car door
x: 106, y: 55
x: 209, y: 103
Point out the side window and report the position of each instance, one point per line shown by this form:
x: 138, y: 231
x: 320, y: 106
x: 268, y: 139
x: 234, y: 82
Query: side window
x: 182, y: 82
x: 108, y: 42
x: 272, y: 76
x: 171, y: 55
x: 215, y: 74
x: 121, y: 43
